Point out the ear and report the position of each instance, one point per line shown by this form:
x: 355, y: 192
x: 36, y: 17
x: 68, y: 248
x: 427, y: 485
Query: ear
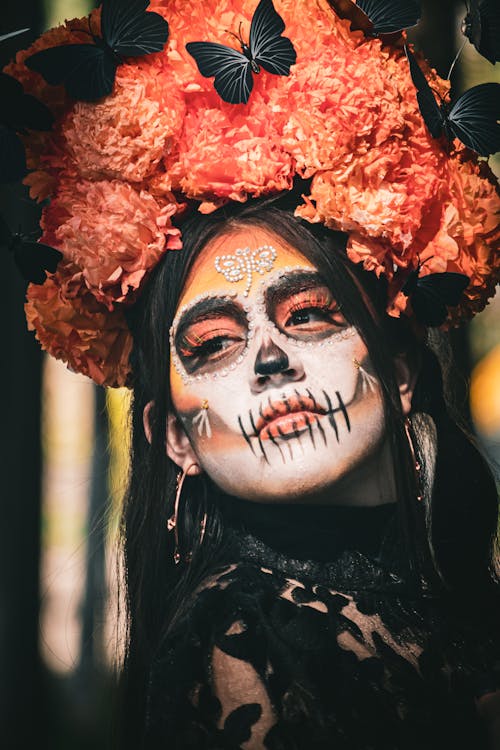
x: 406, y: 379
x: 146, y: 420
x: 179, y: 449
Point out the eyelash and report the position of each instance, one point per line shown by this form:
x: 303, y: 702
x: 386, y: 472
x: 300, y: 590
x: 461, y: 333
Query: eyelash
x: 321, y: 302
x: 197, y: 346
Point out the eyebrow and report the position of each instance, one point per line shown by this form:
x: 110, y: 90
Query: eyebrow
x: 210, y: 307
x: 292, y: 282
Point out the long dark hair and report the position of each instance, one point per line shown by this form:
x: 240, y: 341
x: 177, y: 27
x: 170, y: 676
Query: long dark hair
x: 448, y: 542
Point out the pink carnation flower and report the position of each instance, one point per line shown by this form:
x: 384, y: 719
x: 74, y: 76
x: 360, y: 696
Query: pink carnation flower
x: 72, y: 326
x: 113, y: 233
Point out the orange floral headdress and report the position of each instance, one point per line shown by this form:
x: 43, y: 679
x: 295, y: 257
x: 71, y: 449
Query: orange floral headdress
x: 119, y: 171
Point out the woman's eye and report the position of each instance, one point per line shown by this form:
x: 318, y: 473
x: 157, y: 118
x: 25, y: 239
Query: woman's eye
x: 213, y: 345
x: 202, y: 346
x: 311, y: 312
x: 308, y: 315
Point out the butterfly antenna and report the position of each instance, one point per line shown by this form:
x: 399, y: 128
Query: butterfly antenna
x: 237, y: 36
x: 456, y: 58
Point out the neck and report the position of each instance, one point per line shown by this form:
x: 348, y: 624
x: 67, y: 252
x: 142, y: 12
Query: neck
x: 371, y: 483
x: 308, y: 531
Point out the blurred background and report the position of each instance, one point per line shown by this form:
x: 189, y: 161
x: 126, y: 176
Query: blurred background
x: 64, y: 450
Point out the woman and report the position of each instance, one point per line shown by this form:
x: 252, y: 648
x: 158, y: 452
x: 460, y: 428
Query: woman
x: 319, y: 598
x: 258, y: 242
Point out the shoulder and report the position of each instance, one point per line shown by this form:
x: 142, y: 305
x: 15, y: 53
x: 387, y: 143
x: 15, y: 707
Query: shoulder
x: 209, y: 685
x: 248, y: 588
x: 249, y: 613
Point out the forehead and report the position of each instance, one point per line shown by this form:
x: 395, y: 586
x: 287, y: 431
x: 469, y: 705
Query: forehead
x: 236, y: 246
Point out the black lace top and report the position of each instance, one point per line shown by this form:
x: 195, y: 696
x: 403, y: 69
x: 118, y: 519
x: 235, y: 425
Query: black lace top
x: 309, y: 639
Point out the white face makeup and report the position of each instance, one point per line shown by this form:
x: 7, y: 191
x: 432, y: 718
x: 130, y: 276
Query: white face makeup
x: 271, y: 384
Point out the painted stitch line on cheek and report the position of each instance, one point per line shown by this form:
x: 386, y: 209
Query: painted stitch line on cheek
x: 245, y: 435
x: 343, y: 409
x: 254, y: 428
x: 340, y: 409
x: 290, y: 418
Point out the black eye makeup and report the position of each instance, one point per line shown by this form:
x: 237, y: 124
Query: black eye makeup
x: 214, y: 333
x: 303, y: 307
x: 210, y: 335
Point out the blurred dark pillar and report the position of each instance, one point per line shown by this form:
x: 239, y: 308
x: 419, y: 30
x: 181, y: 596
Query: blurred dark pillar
x: 21, y: 697
x: 92, y: 648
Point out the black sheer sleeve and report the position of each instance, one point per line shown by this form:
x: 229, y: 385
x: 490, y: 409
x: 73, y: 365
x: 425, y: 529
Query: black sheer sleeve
x: 267, y: 661
x: 210, y: 688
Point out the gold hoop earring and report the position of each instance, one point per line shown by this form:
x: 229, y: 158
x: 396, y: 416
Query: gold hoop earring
x: 172, y: 522
x: 417, y: 467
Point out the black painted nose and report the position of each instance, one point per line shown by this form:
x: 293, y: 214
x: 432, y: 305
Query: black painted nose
x: 270, y: 359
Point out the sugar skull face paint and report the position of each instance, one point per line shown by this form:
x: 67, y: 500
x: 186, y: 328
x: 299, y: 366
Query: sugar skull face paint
x: 271, y: 384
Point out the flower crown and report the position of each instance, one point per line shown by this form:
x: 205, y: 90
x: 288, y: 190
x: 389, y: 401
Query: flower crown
x: 209, y: 114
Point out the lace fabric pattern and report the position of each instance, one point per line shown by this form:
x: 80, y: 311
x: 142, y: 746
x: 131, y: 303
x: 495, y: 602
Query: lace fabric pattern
x: 299, y: 655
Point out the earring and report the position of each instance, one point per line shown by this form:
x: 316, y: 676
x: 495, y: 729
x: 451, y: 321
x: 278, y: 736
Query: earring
x: 202, y: 420
x: 172, y: 522
x: 417, y: 467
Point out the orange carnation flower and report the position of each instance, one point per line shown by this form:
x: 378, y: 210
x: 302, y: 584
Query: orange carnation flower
x: 72, y: 326
x: 113, y: 233
x: 118, y: 170
x: 125, y: 136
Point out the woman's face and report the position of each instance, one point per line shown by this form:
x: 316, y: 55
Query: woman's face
x: 272, y: 386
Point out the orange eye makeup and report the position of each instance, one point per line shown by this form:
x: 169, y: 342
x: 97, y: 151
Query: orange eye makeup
x: 214, y: 333
x: 305, y: 309
x: 207, y: 342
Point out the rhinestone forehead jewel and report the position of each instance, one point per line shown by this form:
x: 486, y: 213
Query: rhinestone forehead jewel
x: 246, y: 262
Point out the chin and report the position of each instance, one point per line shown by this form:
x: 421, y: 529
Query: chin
x: 290, y: 487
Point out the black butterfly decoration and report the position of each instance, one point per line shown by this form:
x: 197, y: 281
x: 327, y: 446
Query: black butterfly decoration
x: 12, y: 33
x: 88, y: 71
x: 33, y: 259
x: 472, y: 118
x: 481, y: 26
x: 378, y: 17
x: 233, y: 69
x: 431, y: 295
x: 20, y: 112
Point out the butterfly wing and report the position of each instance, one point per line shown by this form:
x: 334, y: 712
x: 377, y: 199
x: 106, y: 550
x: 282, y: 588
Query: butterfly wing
x: 87, y: 71
x: 347, y: 9
x: 34, y: 259
x: 12, y: 156
x: 232, y: 71
x: 471, y: 25
x: 481, y: 26
x: 130, y: 30
x: 268, y: 48
x: 432, y: 294
x: 20, y: 110
x: 10, y: 89
x: 473, y: 118
x: 429, y: 108
x: 388, y: 16
x: 3, y: 37
x: 489, y: 40
x: 33, y: 114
